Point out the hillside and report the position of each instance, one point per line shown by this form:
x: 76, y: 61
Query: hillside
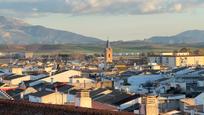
x: 14, y: 31
x: 188, y: 37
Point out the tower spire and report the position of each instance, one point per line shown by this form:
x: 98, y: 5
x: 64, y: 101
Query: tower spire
x: 108, y: 44
x: 108, y: 53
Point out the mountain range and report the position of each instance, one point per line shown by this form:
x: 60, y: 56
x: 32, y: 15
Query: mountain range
x: 15, y: 31
x: 187, y: 37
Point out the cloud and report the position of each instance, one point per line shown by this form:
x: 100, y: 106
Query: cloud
x: 132, y: 6
x: 31, y: 8
x: 115, y: 7
x: 7, y: 1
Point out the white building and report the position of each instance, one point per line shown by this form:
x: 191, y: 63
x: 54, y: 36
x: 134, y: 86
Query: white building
x: 48, y: 97
x: 60, y: 77
x: 16, y: 79
x: 193, y: 106
x: 80, y: 79
x: 137, y: 80
x: 177, y: 59
x: 199, y: 100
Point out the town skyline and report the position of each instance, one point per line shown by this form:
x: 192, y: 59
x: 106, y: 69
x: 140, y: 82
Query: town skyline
x: 101, y: 57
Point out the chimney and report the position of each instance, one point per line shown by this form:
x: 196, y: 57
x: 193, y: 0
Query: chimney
x: 83, y: 99
x: 22, y: 95
x: 56, y: 90
x: 50, y: 74
x: 52, y: 80
x: 149, y: 105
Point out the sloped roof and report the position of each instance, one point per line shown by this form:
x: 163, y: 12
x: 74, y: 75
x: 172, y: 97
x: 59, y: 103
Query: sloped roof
x: 27, y: 108
x: 42, y: 93
x: 113, y: 97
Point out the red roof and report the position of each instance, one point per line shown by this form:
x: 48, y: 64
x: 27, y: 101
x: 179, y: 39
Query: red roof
x: 8, y: 107
x: 8, y: 88
x: 103, y: 106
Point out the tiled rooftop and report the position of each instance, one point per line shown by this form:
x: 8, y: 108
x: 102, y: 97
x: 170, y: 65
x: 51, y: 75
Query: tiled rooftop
x: 26, y: 108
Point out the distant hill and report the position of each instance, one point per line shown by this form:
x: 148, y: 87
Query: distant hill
x: 14, y: 31
x: 188, y: 37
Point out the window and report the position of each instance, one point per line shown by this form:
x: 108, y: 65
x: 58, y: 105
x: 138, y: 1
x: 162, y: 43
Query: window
x: 155, y: 60
x: 167, y: 60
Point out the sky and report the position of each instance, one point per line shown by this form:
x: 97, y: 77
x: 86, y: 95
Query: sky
x: 110, y: 19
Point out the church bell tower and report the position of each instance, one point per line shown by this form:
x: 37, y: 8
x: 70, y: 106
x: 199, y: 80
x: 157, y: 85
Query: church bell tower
x: 108, y: 53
